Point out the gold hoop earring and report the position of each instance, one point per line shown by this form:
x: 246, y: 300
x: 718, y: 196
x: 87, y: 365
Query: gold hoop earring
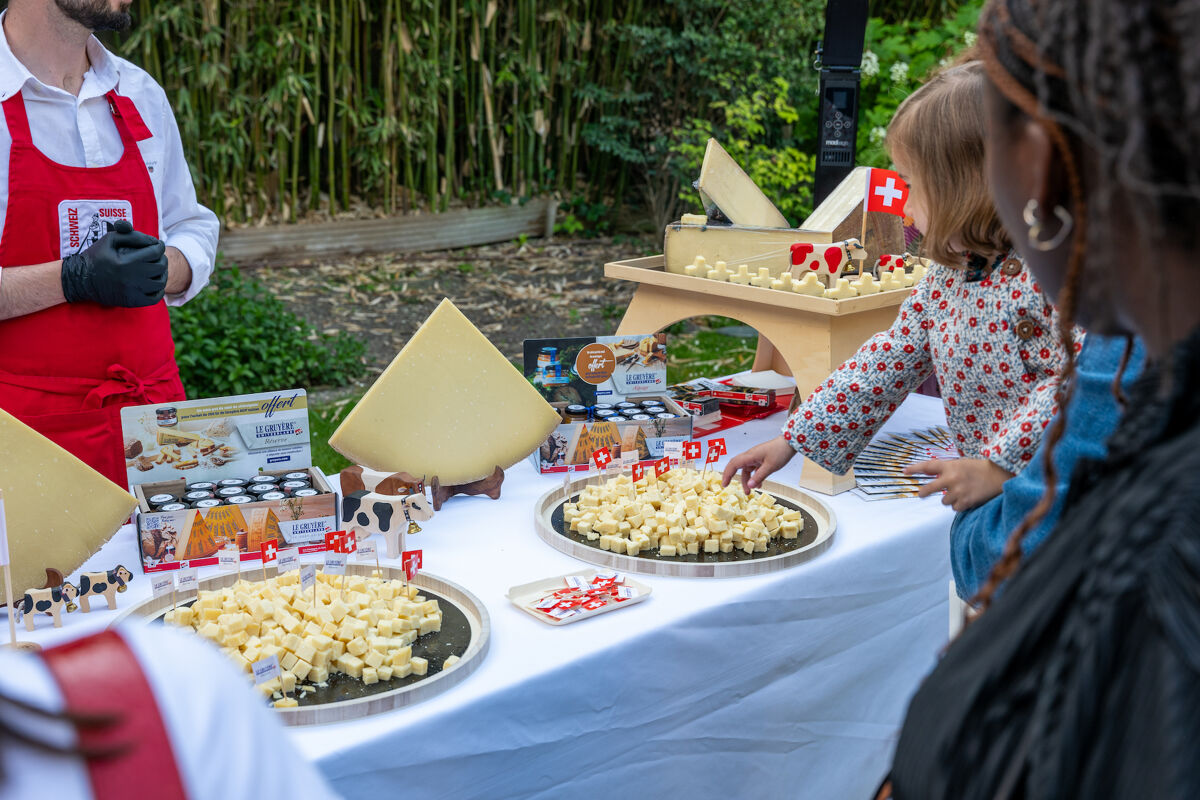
x: 1066, y: 221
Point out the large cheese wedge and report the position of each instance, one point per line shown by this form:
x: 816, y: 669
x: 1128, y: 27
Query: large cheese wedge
x: 734, y: 244
x: 727, y: 191
x: 58, y: 510
x: 450, y: 404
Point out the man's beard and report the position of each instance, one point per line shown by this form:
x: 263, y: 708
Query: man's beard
x: 95, y: 15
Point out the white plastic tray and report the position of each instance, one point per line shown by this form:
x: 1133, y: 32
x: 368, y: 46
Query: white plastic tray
x: 526, y: 596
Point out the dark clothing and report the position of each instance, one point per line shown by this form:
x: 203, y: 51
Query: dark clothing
x: 1083, y: 679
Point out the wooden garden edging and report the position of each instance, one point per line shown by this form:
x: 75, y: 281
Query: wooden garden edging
x: 406, y: 234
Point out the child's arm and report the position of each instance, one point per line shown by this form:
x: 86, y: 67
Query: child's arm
x: 845, y: 411
x: 967, y: 482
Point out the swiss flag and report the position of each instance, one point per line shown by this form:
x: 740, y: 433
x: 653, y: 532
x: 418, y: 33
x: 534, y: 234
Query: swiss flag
x: 269, y: 551
x: 662, y: 466
x: 349, y: 542
x: 713, y: 456
x: 602, y: 458
x: 718, y: 445
x: 333, y: 541
x: 886, y: 192
x: 639, y: 472
x: 691, y: 450
x: 411, y: 561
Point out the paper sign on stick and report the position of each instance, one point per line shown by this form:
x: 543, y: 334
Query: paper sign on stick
x: 162, y: 584
x: 335, y: 563
x: 308, y: 576
x: 227, y: 559
x: 288, y: 560
x: 187, y: 580
x: 367, y: 551
x: 265, y: 669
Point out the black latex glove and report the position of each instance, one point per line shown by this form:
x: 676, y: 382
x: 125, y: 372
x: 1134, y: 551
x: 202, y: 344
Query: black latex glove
x: 125, y: 268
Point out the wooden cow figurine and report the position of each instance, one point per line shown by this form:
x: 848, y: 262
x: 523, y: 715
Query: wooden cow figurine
x: 365, y: 513
x: 49, y: 602
x: 357, y: 479
x: 105, y: 584
x: 828, y: 261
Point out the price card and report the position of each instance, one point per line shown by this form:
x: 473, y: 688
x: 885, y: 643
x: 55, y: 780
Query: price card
x: 673, y: 451
x: 628, y: 459
x: 367, y: 551
x: 288, y: 560
x: 162, y: 584
x: 188, y: 580
x: 308, y: 576
x: 265, y: 669
x: 335, y: 563
x: 228, y: 559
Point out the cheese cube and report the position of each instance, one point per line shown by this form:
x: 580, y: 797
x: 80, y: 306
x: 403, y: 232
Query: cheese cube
x: 373, y: 658
x: 288, y: 682
x: 370, y: 676
x: 356, y: 646
x: 385, y: 672
x: 402, y: 671
x: 301, y: 669
x: 351, y: 665
x: 450, y: 662
x: 318, y: 674
x: 419, y: 665
x: 285, y: 702
x: 401, y: 656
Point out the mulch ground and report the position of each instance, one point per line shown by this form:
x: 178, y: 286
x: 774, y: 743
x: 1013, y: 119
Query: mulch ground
x: 511, y: 291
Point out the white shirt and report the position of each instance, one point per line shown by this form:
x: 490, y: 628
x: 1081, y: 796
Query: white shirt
x: 226, y: 742
x: 80, y: 132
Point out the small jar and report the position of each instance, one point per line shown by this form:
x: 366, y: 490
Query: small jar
x: 276, y: 495
x: 167, y: 416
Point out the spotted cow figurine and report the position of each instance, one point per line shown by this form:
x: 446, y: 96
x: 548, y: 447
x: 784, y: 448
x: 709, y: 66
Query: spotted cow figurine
x: 49, y: 602
x: 365, y: 513
x: 828, y: 261
x: 105, y: 584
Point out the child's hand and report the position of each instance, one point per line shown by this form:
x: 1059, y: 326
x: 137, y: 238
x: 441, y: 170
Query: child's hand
x: 967, y: 482
x: 758, y: 462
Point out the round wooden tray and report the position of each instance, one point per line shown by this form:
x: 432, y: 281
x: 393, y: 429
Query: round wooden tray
x: 705, y: 565
x: 341, y: 710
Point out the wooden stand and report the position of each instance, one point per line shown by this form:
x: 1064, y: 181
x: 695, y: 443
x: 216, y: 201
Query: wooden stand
x: 804, y: 336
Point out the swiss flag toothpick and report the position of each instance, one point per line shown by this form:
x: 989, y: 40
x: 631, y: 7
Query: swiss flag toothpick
x: 411, y: 561
x: 662, y: 466
x: 602, y: 457
x: 691, y: 450
x: 714, y: 456
x: 886, y: 192
x: 718, y: 445
x: 333, y: 541
x: 639, y: 472
x: 269, y: 551
x: 349, y: 542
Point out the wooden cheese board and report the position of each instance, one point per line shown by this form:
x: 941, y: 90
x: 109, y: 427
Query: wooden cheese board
x: 466, y: 631
x: 815, y: 537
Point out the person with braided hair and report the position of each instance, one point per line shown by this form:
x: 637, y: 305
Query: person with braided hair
x: 1082, y: 679
x: 978, y: 321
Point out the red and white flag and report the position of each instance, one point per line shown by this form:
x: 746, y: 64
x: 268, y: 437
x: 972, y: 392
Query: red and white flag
x: 886, y: 192
x: 639, y: 472
x: 713, y: 457
x: 602, y: 457
x: 718, y: 445
x: 349, y: 542
x: 691, y: 450
x: 411, y: 561
x: 269, y: 551
x: 662, y: 466
x: 333, y: 541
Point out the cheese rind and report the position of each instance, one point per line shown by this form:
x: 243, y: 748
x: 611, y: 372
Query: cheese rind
x: 58, y: 510
x: 725, y: 186
x: 450, y: 404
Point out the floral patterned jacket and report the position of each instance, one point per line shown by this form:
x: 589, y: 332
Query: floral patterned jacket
x: 990, y: 336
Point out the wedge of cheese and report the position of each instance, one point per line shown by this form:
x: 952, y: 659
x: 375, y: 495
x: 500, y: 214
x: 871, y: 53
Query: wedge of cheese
x: 450, y: 404
x: 728, y: 192
x: 58, y: 510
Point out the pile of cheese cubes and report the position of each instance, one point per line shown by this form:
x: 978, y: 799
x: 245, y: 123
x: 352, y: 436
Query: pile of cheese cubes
x: 683, y: 513
x: 365, y: 628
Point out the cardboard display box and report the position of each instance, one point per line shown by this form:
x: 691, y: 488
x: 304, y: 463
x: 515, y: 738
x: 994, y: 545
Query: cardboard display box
x: 172, y: 445
x: 571, y: 444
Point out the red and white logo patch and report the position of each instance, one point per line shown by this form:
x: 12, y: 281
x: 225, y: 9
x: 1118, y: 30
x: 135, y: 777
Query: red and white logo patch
x: 82, y: 223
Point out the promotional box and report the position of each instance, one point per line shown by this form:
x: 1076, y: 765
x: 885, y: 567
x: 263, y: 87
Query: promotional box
x: 170, y: 447
x: 585, y: 371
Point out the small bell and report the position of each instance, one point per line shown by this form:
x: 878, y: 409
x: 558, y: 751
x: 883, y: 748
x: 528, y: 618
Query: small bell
x: 413, y: 527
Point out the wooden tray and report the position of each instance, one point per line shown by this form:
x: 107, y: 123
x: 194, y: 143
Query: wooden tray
x: 435, y: 682
x: 815, y: 538
x: 525, y: 595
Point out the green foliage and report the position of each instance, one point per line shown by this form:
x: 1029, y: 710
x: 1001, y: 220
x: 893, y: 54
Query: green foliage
x: 758, y: 128
x: 898, y: 58
x: 583, y: 218
x: 235, y: 337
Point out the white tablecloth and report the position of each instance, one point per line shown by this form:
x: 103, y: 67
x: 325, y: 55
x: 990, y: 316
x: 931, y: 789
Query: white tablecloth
x: 790, y: 684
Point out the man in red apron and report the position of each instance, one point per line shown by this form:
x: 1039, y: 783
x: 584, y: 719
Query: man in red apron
x: 84, y: 329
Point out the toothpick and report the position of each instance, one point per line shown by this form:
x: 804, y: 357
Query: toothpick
x: 8, y: 595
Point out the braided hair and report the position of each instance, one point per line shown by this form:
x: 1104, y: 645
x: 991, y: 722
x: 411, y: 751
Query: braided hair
x: 1115, y: 93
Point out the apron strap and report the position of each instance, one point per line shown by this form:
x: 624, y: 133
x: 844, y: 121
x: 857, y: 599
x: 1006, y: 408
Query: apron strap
x: 127, y: 118
x: 17, y: 119
x: 119, y: 382
x: 100, y: 674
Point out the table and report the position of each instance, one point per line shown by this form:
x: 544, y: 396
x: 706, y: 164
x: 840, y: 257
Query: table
x: 790, y: 684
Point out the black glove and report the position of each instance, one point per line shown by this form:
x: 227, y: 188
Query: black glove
x: 125, y: 268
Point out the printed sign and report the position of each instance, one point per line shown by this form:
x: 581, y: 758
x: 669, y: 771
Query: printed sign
x: 335, y: 563
x: 308, y: 576
x: 228, y: 559
x: 162, y: 584
x: 187, y: 580
x: 265, y: 669
x: 367, y: 551
x: 288, y: 560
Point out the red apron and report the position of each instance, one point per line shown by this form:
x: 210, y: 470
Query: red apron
x: 100, y: 675
x: 66, y: 371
